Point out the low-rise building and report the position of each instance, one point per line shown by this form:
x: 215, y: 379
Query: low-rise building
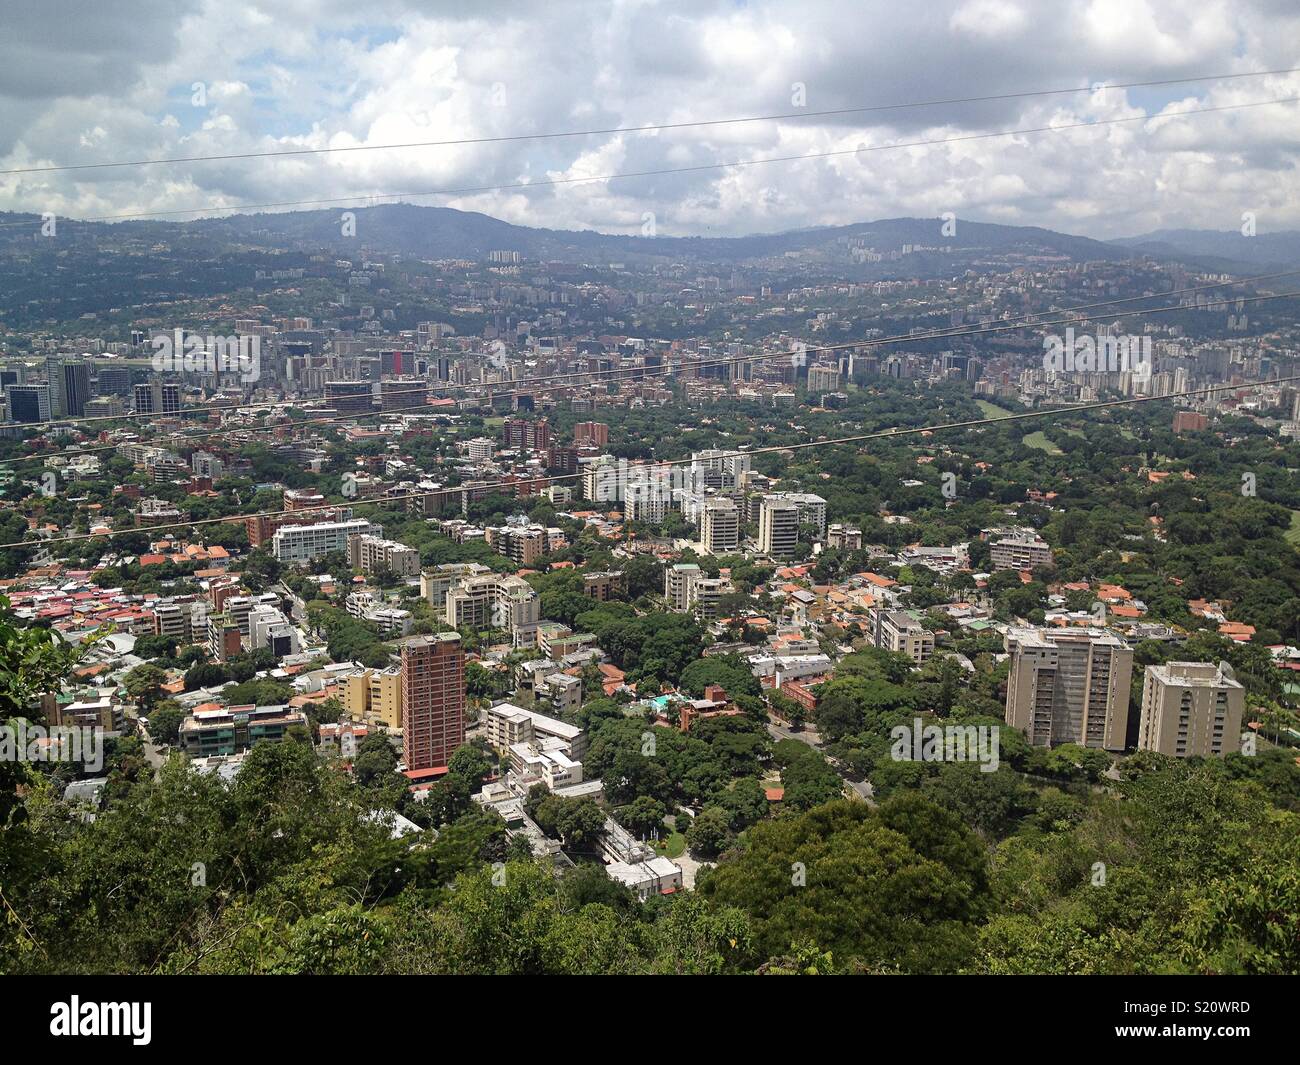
x: 654, y: 876
x: 375, y: 693
x: 898, y: 631
x: 235, y: 728
x: 1019, y: 549
x: 506, y: 724
x: 844, y: 538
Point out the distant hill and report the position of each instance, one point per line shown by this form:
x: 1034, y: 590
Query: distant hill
x: 92, y: 268
x: 1230, y: 249
x: 442, y: 232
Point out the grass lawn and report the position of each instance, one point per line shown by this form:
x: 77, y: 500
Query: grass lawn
x: 991, y: 410
x: 1292, y: 535
x: 673, y: 846
x: 1039, y: 441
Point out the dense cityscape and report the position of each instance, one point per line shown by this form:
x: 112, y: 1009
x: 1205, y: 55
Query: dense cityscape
x: 395, y: 589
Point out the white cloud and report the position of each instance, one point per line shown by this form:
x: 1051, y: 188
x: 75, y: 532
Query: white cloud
x: 328, y: 73
x: 989, y: 18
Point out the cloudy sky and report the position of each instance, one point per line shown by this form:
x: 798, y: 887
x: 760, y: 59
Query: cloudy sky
x: 140, y: 79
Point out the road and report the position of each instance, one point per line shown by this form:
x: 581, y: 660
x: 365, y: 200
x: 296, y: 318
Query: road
x: 153, y: 754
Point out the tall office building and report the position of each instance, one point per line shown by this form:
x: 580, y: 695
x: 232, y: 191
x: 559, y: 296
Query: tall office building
x: 1191, y: 709
x: 114, y: 381
x: 349, y: 397
x: 76, y: 387
x: 157, y: 398
x: 1069, y: 686
x: 778, y: 527
x: 433, y: 699
x: 54, y: 378
x: 28, y: 403
x: 720, y: 526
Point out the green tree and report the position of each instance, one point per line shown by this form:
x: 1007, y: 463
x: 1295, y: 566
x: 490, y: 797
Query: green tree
x: 165, y: 722
x: 710, y: 832
x: 144, y: 684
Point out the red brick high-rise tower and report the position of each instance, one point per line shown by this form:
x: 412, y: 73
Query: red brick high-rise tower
x: 433, y: 699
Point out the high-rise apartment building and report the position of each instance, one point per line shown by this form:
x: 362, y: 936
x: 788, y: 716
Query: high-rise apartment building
x: 371, y: 553
x: 602, y: 585
x: 812, y: 508
x: 1069, y: 686
x: 677, y: 582
x: 1191, y: 709
x: 522, y: 544
x: 206, y: 464
x: 433, y: 699
x: 720, y: 526
x: 844, y: 538
x: 526, y: 435
x: 823, y: 378
x: 301, y: 543
x: 778, y: 527
x: 495, y: 601
x: 223, y: 637
x: 687, y: 589
x: 480, y: 449
x: 719, y: 469
x: 591, y: 433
